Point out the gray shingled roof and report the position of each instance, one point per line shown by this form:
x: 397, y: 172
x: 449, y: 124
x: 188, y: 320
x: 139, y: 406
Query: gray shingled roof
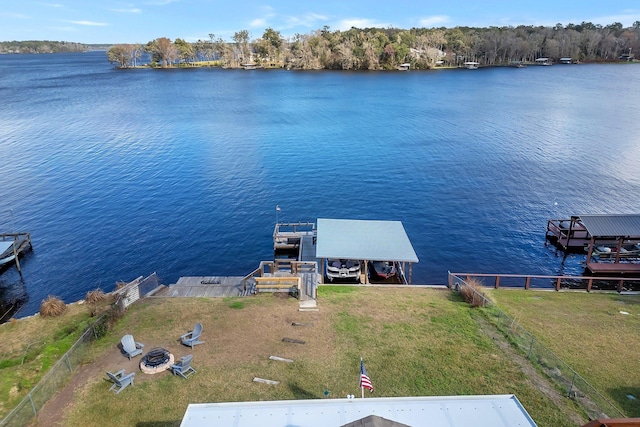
x: 623, y: 225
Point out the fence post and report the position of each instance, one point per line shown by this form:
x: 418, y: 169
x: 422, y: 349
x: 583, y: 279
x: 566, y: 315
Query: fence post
x: 497, y: 282
x: 572, y: 382
x: 527, y: 282
x: 533, y: 340
x: 35, y: 413
x: 66, y: 358
x: 558, y: 282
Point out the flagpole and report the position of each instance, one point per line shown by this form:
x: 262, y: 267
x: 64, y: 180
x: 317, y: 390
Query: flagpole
x: 361, y: 386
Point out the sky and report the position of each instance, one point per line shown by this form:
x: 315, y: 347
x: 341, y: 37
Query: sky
x: 140, y: 21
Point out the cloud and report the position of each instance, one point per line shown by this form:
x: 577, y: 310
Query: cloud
x: 161, y: 2
x: 309, y: 20
x: 52, y: 4
x: 626, y: 18
x: 435, y: 20
x: 259, y: 22
x: 90, y: 23
x: 65, y: 29
x: 12, y: 15
x: 346, y: 24
x: 132, y: 10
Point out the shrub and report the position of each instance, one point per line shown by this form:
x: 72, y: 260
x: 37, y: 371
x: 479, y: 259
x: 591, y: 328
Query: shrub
x: 95, y: 296
x: 473, y: 293
x: 52, y: 307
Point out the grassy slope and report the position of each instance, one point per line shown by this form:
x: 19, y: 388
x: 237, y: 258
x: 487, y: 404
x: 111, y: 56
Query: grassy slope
x: 31, y: 346
x: 589, y: 332
x: 414, y: 342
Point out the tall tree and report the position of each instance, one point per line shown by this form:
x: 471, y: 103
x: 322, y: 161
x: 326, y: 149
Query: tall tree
x: 243, y: 53
x: 186, y: 52
x: 124, y: 55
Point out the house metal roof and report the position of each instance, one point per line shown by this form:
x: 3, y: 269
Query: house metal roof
x: 623, y: 225
x: 363, y: 240
x: 431, y: 411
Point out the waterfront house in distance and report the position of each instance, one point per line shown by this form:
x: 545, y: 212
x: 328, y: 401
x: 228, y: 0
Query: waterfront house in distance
x: 543, y: 61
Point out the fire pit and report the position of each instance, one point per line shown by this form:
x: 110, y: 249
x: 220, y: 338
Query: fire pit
x: 156, y: 360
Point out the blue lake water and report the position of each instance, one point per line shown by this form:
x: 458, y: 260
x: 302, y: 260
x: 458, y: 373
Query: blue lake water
x: 118, y: 174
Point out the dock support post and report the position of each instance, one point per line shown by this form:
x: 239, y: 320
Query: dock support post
x: 527, y: 282
x: 497, y: 285
x: 620, y: 283
x: 16, y: 253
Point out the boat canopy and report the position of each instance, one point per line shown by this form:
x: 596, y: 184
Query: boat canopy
x: 363, y: 240
x: 5, y: 245
x: 622, y: 225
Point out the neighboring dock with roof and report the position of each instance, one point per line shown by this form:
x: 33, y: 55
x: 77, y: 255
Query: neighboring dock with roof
x: 611, y: 242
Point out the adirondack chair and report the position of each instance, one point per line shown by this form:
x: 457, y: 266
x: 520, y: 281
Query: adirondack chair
x: 183, y: 367
x: 130, y: 347
x: 192, y: 338
x: 120, y: 380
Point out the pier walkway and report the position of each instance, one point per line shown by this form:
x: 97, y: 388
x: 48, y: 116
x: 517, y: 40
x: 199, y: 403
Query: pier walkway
x: 206, y: 286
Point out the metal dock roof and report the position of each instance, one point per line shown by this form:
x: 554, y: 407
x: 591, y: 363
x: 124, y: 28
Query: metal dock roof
x: 622, y: 225
x: 363, y: 240
x: 422, y: 411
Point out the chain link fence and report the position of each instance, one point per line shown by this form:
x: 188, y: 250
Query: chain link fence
x: 61, y: 371
x: 57, y: 376
x: 566, y: 379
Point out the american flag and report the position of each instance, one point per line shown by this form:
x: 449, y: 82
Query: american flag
x: 365, y: 382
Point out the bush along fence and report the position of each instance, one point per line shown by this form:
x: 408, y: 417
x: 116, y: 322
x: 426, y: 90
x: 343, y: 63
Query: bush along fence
x: 61, y: 371
x: 574, y: 386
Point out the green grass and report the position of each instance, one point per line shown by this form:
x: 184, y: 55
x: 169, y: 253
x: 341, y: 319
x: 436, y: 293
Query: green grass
x: 415, y: 342
x: 589, y: 332
x: 30, y: 347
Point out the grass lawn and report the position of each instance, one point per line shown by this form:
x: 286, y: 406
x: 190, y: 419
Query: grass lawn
x: 595, y: 333
x: 31, y: 346
x: 414, y: 342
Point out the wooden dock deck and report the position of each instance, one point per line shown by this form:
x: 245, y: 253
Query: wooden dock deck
x: 21, y: 244
x: 233, y: 286
x: 206, y: 286
x: 611, y: 268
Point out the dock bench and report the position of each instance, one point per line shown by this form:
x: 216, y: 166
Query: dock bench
x: 278, y: 284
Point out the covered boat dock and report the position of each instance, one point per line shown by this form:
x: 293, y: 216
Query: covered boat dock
x: 623, y: 230
x: 366, y: 240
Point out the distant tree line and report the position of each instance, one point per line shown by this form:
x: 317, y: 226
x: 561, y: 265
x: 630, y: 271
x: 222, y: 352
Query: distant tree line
x: 41, y: 46
x: 388, y: 48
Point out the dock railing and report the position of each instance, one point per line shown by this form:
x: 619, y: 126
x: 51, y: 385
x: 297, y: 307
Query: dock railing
x: 136, y: 289
x: 283, y: 266
x: 537, y: 281
x: 559, y: 372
